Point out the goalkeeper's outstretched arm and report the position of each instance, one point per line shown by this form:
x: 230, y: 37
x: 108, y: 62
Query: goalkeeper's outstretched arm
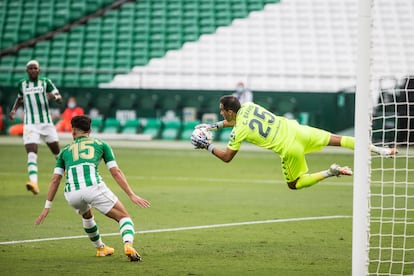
x: 217, y: 125
x: 225, y: 155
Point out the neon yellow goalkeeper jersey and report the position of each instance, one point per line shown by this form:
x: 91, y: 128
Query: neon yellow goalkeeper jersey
x: 36, y: 104
x: 256, y: 125
x: 80, y: 160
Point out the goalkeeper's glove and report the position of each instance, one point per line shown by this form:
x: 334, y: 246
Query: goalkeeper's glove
x: 200, y: 142
x: 213, y: 126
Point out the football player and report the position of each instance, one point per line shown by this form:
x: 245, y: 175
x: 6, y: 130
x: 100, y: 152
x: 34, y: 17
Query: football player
x: 289, y: 139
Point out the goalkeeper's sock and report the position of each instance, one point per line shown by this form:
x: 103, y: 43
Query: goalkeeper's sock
x: 348, y: 142
x: 126, y: 229
x: 91, y: 229
x: 32, y: 166
x: 308, y: 180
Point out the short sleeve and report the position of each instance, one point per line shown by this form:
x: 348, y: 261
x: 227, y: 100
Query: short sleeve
x: 60, y: 163
x: 237, y: 136
x: 108, y: 154
x: 50, y: 86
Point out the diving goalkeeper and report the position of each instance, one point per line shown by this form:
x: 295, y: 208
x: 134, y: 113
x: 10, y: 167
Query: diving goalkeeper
x: 292, y: 141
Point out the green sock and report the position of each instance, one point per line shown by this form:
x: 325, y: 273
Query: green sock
x: 348, y: 142
x: 308, y: 180
x: 91, y: 229
x: 32, y: 166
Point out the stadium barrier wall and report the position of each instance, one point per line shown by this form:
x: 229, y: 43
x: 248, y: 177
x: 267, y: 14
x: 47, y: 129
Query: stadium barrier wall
x: 333, y: 111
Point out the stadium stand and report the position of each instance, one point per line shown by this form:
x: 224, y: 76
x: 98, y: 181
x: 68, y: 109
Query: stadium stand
x: 131, y: 126
x: 133, y: 34
x: 196, y: 45
x: 295, y: 45
x: 171, y: 130
x: 111, y: 125
x: 152, y: 126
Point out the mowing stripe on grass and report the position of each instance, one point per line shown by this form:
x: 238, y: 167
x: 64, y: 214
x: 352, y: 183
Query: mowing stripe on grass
x: 203, y: 179
x: 187, y: 228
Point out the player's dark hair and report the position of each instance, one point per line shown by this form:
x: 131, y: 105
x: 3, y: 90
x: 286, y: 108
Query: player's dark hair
x: 230, y: 103
x: 81, y: 122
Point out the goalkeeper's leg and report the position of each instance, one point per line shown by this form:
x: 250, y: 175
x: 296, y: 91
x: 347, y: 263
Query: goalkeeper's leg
x: 349, y: 142
x: 308, y: 180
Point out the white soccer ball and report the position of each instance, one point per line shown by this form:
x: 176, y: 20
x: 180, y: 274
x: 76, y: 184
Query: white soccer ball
x: 203, y: 132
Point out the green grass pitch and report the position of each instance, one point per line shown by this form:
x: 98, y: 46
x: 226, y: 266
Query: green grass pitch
x: 186, y: 188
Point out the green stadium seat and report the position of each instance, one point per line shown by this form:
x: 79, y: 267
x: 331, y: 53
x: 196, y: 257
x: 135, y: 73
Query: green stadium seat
x: 6, y: 77
x: 111, y: 125
x: 87, y: 80
x: 106, y: 62
x: 131, y: 126
x: 152, y: 127
x: 7, y: 61
x: 56, y: 62
x: 89, y: 62
x: 104, y: 78
x: 187, y: 129
x: 255, y: 5
x: 17, y: 76
x: 71, y: 79
x: 96, y: 124
x: 56, y: 78
x: 171, y: 130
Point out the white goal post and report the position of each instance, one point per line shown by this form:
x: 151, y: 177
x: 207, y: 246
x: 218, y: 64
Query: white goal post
x: 383, y: 200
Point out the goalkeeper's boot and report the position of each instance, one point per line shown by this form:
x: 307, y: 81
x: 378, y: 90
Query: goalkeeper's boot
x: 131, y: 253
x: 336, y: 170
x: 387, y: 152
x: 104, y: 251
x: 33, y: 187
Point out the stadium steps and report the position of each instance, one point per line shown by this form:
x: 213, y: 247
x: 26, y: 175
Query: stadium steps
x: 296, y: 45
x: 23, y: 20
x: 134, y: 34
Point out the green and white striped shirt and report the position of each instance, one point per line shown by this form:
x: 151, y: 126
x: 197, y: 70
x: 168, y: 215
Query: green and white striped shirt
x: 36, y: 104
x: 80, y: 160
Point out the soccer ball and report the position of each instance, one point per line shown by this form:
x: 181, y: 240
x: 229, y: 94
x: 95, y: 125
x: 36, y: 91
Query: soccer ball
x: 203, y: 132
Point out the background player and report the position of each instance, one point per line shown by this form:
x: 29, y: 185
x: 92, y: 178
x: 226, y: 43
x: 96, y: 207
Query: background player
x: 255, y: 124
x: 85, y: 188
x: 34, y: 94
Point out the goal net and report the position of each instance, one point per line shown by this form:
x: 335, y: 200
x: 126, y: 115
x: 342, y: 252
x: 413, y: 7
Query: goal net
x: 383, y: 223
x: 391, y: 198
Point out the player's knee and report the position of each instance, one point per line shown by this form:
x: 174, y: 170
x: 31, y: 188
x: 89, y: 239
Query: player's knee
x: 292, y: 185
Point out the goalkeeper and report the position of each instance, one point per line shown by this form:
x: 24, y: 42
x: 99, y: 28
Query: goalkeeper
x: 289, y: 139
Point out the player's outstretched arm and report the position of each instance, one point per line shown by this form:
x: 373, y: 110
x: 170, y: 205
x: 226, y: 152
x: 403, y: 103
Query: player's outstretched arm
x: 216, y: 125
x: 53, y: 187
x: 225, y: 155
x: 201, y: 142
x: 120, y: 178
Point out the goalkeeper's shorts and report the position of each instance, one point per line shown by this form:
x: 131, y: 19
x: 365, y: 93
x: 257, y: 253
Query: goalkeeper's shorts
x: 308, y: 139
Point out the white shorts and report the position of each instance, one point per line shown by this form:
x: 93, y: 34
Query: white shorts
x: 33, y: 132
x: 97, y: 196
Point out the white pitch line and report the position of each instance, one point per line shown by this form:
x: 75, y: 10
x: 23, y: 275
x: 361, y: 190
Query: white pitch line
x: 185, y: 228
